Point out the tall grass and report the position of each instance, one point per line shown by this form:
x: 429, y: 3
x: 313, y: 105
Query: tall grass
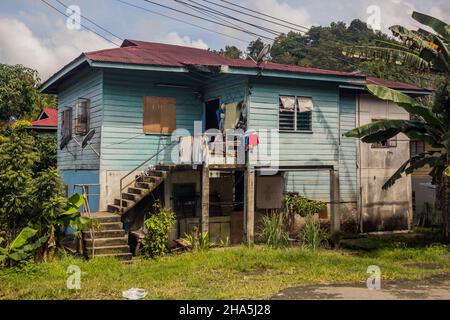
x: 273, y: 232
x: 313, y: 235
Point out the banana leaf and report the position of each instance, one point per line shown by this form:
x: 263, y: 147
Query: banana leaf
x: 447, y: 171
x: 75, y: 201
x: 414, y: 163
x: 442, y: 28
x: 22, y: 238
x: 411, y: 105
x: 398, y: 55
x: 385, y: 129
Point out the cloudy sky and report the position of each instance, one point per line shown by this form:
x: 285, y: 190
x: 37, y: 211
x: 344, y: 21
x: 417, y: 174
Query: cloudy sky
x: 35, y: 35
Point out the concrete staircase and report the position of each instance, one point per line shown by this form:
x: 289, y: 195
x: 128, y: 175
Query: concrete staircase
x: 142, y: 186
x: 109, y: 239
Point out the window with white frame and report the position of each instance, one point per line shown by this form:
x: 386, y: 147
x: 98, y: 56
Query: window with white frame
x: 295, y: 113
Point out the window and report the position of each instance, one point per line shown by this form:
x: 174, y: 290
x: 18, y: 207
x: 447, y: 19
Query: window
x: 385, y: 144
x: 295, y: 113
x: 66, y: 125
x: 82, y: 117
x: 159, y: 115
x: 416, y: 147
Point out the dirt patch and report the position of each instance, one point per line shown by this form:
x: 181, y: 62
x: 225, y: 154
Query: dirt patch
x: 437, y: 287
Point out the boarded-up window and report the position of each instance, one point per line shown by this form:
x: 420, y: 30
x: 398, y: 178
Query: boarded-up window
x: 159, y: 114
x: 66, y: 125
x: 82, y: 117
x: 295, y: 113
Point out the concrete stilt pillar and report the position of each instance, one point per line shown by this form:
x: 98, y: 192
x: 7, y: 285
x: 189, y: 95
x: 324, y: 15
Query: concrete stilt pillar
x: 205, y: 200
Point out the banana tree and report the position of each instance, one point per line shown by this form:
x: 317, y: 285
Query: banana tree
x: 21, y: 248
x: 420, y: 48
x: 423, y: 50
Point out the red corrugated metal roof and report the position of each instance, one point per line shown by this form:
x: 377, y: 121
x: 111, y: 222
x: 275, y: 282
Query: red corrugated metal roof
x: 151, y: 53
x: 47, y: 118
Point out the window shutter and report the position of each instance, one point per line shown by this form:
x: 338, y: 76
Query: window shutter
x: 159, y: 114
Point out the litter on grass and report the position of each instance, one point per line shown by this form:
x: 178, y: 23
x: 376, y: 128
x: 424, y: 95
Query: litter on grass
x: 134, y: 294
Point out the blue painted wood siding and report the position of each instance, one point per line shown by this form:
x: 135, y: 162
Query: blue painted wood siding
x: 228, y: 88
x: 348, y: 148
x: 333, y: 115
x: 124, y: 145
x: 319, y: 147
x: 87, y: 84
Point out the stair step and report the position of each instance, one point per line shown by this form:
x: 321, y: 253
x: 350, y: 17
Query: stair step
x: 106, y: 242
x: 111, y: 226
x: 108, y: 249
x: 105, y: 217
x: 162, y: 167
x: 119, y: 256
x: 159, y: 173
x: 144, y: 185
x: 138, y: 191
x: 125, y: 203
x: 131, y: 196
x: 149, y: 179
x: 114, y: 208
x: 98, y: 234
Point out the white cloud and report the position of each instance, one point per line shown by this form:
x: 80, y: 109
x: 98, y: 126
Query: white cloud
x: 175, y: 38
x: 18, y: 45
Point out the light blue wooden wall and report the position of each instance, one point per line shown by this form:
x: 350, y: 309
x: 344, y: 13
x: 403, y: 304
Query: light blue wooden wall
x: 86, y: 84
x: 124, y: 145
x: 334, y: 114
x: 348, y: 148
x: 319, y: 147
x: 228, y: 88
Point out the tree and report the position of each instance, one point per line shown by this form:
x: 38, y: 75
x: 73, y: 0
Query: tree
x: 422, y: 50
x: 231, y: 52
x: 18, y: 91
x: 254, y: 48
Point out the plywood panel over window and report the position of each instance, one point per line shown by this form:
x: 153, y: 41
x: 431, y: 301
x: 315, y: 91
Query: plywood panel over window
x: 159, y: 114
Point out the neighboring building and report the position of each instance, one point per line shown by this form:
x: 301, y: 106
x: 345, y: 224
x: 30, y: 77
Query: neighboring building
x: 47, y: 122
x: 423, y: 192
x: 136, y: 95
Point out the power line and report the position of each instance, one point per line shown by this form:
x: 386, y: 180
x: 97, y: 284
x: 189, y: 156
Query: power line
x: 209, y: 20
x: 203, y: 8
x: 87, y: 28
x: 254, y: 16
x: 212, y: 15
x: 179, y: 20
x: 93, y: 22
x: 264, y: 14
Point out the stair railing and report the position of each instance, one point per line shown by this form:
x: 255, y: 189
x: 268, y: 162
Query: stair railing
x: 122, y: 187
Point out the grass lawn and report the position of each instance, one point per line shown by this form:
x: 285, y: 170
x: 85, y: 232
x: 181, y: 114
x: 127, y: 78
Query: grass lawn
x: 229, y: 273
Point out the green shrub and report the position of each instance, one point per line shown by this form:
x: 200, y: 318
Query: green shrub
x: 296, y: 204
x: 273, y: 231
x: 197, y: 241
x: 157, y: 229
x: 313, y: 235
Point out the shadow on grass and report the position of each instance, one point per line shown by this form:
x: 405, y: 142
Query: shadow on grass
x: 419, y: 238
